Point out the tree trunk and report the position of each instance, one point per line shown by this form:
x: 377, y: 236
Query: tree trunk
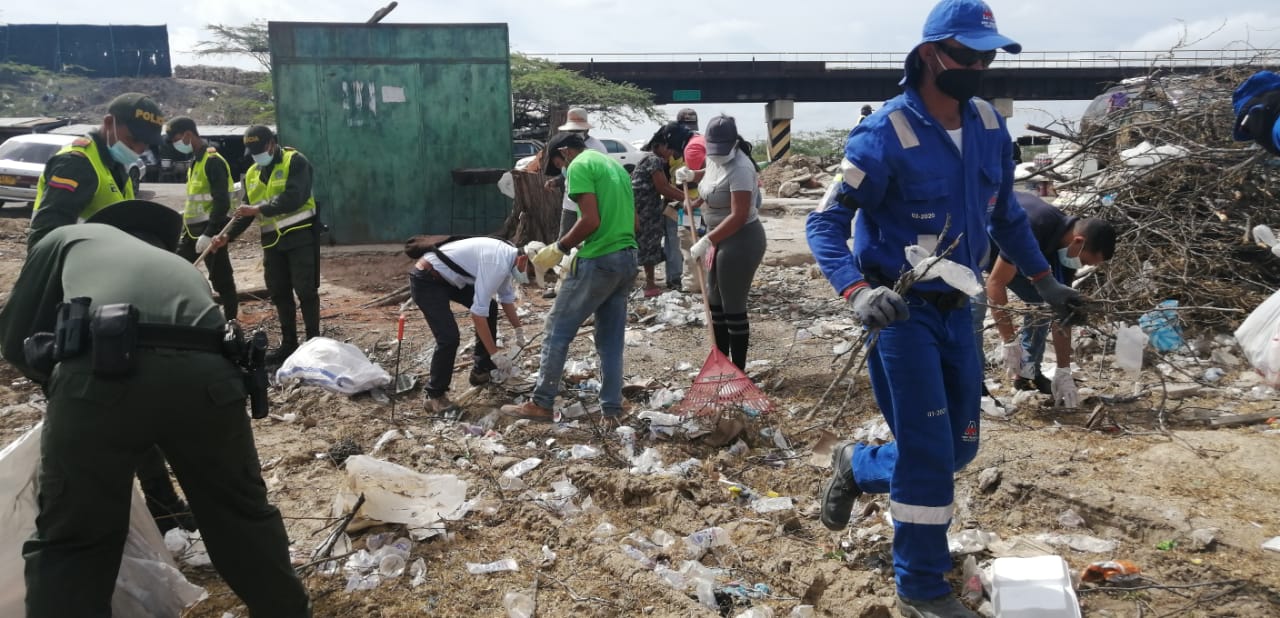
x: 536, y: 215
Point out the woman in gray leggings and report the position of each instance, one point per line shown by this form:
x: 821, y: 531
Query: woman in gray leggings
x: 730, y: 197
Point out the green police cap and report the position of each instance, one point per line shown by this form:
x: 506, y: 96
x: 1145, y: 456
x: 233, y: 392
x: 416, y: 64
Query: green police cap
x: 140, y: 114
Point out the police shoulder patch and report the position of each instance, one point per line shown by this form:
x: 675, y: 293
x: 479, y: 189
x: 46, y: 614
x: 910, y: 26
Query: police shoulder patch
x: 81, y: 141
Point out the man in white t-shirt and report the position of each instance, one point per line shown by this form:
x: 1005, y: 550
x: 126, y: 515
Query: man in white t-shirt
x: 470, y: 272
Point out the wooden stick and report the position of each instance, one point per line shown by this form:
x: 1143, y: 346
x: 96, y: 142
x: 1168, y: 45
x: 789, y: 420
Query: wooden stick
x: 204, y: 254
x: 327, y: 547
x: 1240, y: 419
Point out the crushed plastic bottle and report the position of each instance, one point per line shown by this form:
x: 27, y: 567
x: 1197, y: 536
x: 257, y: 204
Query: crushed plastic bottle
x: 603, y: 532
x: 1070, y: 519
x: 663, y: 539
x: 518, y: 604
x: 770, y: 505
x: 637, y: 555
x: 802, y: 611
x: 584, y: 451
x: 627, y: 437
x: 699, y: 542
x: 706, y: 591
x: 759, y: 611
x: 418, y: 573
x: 506, y: 564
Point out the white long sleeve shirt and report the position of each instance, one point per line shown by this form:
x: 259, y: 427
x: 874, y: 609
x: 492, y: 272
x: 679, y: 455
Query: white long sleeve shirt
x: 489, y: 261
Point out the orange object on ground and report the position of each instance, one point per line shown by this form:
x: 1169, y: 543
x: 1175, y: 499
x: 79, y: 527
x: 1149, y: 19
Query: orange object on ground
x: 1110, y: 571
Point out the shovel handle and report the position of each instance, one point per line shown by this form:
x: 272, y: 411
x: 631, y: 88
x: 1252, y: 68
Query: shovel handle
x: 400, y: 328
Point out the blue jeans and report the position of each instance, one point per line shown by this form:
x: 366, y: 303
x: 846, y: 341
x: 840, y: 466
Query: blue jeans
x: 671, y: 246
x: 598, y: 286
x: 927, y: 383
x: 1034, y: 333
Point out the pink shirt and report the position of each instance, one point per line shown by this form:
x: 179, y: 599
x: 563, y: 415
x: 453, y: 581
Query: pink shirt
x: 695, y: 152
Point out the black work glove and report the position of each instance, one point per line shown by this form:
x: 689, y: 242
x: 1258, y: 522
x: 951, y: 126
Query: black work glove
x: 1067, y: 303
x: 1258, y: 120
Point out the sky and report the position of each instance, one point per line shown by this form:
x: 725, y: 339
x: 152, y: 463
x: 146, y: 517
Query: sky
x: 726, y: 26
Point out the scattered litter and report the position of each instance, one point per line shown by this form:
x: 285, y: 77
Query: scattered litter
x: 1258, y: 338
x: 548, y: 556
x: 699, y: 542
x: 802, y: 611
x: 510, y: 478
x: 1272, y: 545
x: 506, y: 564
x: 770, y: 505
x: 874, y: 430
x: 1070, y: 519
x: 988, y: 479
x: 604, y: 532
x: 970, y: 541
x: 384, y: 439
x: 518, y: 604
x: 1080, y: 542
x: 1111, y: 572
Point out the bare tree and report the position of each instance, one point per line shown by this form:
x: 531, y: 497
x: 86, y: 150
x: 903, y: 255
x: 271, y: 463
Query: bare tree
x: 247, y: 40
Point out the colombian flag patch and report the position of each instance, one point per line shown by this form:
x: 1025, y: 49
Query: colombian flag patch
x: 66, y: 184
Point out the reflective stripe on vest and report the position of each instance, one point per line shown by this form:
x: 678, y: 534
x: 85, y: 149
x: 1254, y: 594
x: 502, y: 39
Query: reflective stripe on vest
x: 107, y: 193
x: 906, y: 135
x: 988, y: 113
x: 199, y: 205
x: 258, y: 192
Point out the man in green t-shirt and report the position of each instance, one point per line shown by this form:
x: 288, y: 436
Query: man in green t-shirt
x: 599, y: 279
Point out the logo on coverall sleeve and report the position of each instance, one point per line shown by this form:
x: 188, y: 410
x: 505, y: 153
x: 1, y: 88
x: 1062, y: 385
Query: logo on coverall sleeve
x: 971, y: 432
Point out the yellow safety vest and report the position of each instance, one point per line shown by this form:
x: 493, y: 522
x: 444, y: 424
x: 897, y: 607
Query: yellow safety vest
x: 257, y: 192
x: 200, y: 193
x: 108, y: 191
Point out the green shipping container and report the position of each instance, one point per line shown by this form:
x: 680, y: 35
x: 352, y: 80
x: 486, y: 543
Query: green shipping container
x: 388, y: 114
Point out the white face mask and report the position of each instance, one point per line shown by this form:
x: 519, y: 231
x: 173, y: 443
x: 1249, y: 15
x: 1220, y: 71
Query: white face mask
x: 1067, y: 261
x: 720, y: 159
x: 263, y: 159
x: 183, y: 147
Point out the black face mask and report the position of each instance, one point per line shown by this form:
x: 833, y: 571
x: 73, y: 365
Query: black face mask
x: 959, y: 84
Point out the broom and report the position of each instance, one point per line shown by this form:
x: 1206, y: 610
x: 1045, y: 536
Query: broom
x: 720, y: 385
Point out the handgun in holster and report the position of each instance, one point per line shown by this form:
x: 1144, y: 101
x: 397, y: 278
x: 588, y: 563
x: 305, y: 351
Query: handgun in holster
x: 254, y: 364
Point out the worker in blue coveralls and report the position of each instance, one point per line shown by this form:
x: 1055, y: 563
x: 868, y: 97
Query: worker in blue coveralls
x: 1257, y: 104
x: 932, y: 155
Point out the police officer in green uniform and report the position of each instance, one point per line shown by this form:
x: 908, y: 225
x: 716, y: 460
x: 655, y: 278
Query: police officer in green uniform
x: 205, y: 213
x: 278, y: 192
x: 79, y: 181
x: 169, y: 385
x: 92, y: 172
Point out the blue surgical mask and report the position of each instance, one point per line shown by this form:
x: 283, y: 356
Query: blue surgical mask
x: 519, y: 275
x: 183, y: 147
x: 263, y: 159
x: 1067, y: 261
x: 121, y: 153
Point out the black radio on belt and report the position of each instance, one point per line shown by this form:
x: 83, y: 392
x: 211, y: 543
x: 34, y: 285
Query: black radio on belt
x: 71, y: 332
x: 254, y: 364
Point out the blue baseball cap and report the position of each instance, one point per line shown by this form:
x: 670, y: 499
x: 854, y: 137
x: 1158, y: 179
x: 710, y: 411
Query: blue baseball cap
x: 1259, y: 83
x: 970, y: 22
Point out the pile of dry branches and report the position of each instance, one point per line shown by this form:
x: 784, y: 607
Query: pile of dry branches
x: 1182, y: 218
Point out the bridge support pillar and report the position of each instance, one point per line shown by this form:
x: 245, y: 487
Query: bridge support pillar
x: 779, y: 113
x: 1004, y: 106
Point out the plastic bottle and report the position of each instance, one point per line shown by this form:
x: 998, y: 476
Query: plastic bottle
x: 518, y: 604
x: 627, y: 437
x: 1130, y: 341
x: 506, y: 564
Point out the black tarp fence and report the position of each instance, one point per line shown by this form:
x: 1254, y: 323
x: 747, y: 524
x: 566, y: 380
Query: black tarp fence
x: 95, y: 51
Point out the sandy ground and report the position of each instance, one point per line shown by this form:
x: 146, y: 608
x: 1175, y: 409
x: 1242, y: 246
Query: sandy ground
x: 1145, y: 477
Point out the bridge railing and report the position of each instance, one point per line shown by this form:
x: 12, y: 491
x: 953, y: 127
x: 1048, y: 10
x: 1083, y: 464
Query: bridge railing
x: 1177, y: 58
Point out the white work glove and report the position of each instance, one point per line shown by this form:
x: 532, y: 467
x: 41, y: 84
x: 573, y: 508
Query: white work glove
x: 203, y: 243
x: 700, y: 248
x: 877, y: 307
x: 501, y: 361
x: 520, y: 340
x: 684, y: 175
x: 1012, y: 354
x: 1064, y: 388
x: 548, y: 257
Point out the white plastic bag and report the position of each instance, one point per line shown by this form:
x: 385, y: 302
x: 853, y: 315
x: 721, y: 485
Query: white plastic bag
x: 395, y: 494
x: 149, y: 585
x: 334, y: 366
x: 1259, y: 337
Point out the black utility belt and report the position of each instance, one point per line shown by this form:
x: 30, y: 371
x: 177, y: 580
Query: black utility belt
x: 112, y: 334
x: 944, y: 301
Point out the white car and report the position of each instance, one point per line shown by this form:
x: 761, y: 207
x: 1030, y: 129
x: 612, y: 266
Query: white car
x: 622, y: 152
x: 22, y: 160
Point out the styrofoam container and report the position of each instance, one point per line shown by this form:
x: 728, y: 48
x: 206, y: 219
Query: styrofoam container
x: 1038, y: 587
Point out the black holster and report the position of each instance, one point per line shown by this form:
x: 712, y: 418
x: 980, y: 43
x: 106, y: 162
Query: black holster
x: 254, y: 364
x: 114, y: 329
x: 71, y: 331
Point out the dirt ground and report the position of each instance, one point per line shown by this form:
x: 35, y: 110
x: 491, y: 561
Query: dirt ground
x: 1146, y: 476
